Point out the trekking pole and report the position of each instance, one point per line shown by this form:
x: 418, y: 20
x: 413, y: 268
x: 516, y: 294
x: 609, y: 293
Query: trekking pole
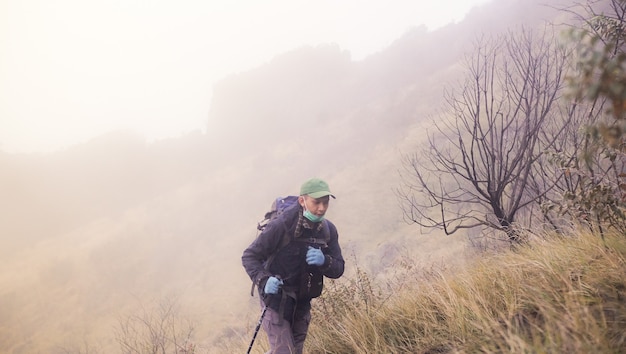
x: 256, y: 331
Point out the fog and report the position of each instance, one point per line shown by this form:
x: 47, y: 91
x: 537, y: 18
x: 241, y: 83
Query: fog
x: 72, y: 70
x: 114, y: 223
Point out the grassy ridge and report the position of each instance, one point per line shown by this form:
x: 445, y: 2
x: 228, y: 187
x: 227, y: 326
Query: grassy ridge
x: 559, y: 295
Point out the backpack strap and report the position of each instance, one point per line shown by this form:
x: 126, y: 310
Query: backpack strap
x: 326, y: 231
x: 318, y: 241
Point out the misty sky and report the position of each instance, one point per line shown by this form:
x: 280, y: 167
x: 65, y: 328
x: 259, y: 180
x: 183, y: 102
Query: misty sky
x: 74, y: 69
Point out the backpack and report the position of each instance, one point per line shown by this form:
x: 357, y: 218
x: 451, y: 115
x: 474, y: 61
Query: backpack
x: 279, y: 205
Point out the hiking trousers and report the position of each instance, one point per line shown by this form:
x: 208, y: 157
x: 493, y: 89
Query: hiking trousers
x: 285, y: 337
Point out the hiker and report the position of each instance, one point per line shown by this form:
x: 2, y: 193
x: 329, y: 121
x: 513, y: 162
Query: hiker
x: 288, y: 261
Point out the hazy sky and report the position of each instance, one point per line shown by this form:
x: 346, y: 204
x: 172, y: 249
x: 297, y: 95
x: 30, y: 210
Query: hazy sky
x: 74, y: 69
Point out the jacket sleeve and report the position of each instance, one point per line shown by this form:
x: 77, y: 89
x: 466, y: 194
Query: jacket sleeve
x: 334, y: 264
x: 255, y: 256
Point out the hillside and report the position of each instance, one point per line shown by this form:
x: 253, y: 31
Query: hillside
x: 114, y: 226
x: 561, y: 294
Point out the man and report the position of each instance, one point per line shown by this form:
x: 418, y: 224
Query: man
x: 288, y: 261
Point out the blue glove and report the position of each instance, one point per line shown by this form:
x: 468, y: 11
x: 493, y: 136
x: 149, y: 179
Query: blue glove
x: 315, y: 257
x: 272, y: 285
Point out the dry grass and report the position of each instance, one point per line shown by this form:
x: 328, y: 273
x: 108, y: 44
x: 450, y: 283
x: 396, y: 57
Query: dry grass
x: 559, y: 295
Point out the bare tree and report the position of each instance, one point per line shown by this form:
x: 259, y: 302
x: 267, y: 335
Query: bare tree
x: 477, y: 166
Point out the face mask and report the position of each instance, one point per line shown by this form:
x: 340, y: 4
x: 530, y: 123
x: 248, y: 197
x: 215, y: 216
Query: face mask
x: 310, y: 216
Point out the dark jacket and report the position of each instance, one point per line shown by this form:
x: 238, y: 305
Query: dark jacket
x: 289, y: 263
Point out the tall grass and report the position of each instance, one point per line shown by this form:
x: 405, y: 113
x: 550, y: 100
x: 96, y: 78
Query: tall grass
x: 559, y: 295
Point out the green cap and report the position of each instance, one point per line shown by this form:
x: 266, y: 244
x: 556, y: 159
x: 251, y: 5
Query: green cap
x: 315, y: 188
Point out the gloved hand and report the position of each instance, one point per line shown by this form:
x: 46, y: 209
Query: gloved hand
x: 272, y: 285
x: 315, y: 257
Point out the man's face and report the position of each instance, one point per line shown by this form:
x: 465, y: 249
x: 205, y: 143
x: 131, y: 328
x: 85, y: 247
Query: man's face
x: 315, y: 206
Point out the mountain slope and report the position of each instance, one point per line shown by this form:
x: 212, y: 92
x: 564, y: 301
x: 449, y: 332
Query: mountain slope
x: 99, y: 230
